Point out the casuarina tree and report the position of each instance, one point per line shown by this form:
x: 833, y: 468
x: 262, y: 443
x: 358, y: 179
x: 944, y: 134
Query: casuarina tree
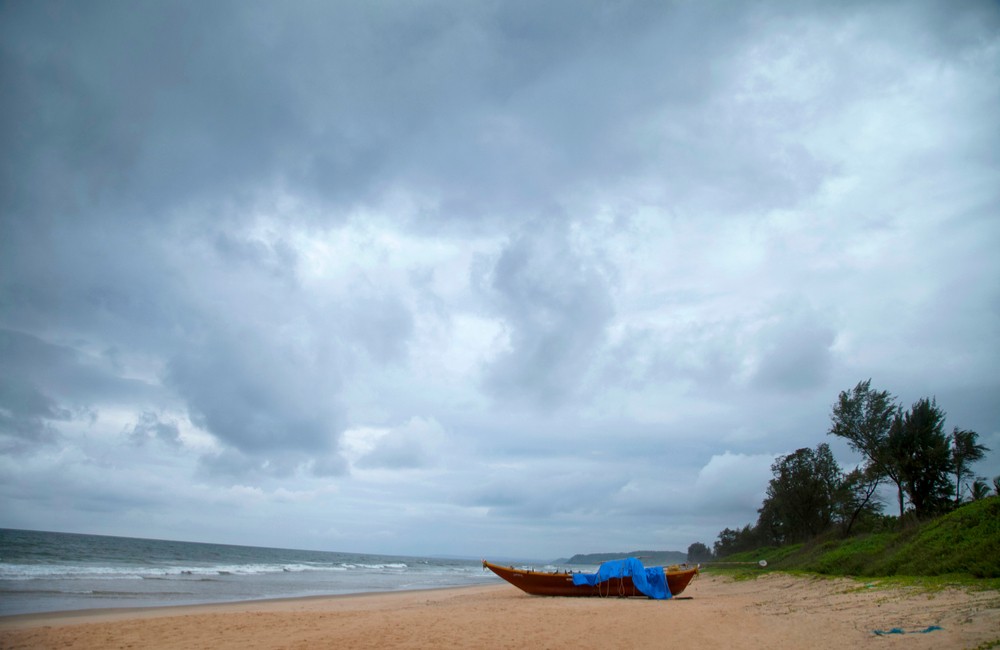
x: 863, y: 417
x: 965, y: 450
x: 922, y: 452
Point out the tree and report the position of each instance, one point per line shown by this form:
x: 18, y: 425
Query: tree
x: 698, y: 552
x: 733, y: 541
x: 863, y: 417
x: 801, y: 499
x: 857, y: 496
x: 922, y: 452
x: 964, y: 451
x: 979, y: 490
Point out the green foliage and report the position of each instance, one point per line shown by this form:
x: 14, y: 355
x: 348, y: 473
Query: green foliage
x: 979, y: 490
x: 810, y: 501
x: 963, y: 542
x: 734, y: 541
x: 698, y: 552
x: 852, y: 556
x: 922, y: 453
x: 771, y: 554
x: 746, y: 565
x: 855, y: 501
x: 863, y: 417
x: 965, y: 450
x: 802, y: 497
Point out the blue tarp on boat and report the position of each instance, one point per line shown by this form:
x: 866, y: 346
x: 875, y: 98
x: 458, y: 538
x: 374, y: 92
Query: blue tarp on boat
x: 651, y: 581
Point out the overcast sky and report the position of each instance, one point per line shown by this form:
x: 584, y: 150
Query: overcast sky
x: 479, y: 278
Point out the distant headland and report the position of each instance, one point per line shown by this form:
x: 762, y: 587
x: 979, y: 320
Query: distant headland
x: 649, y: 558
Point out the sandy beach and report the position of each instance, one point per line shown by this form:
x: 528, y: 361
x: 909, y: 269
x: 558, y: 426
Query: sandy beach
x: 773, y: 611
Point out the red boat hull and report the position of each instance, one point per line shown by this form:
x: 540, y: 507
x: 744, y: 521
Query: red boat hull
x: 540, y: 583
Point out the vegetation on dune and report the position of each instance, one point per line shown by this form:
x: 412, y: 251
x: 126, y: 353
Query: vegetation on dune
x: 963, y: 543
x: 819, y: 519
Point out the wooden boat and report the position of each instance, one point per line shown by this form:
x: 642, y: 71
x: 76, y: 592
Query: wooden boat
x: 541, y: 583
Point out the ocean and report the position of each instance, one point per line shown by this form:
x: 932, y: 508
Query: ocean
x: 46, y: 572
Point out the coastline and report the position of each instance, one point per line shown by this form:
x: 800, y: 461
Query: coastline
x: 111, y: 614
x: 774, y: 610
x: 48, y: 572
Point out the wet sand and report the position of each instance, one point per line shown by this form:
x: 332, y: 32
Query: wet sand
x: 772, y: 611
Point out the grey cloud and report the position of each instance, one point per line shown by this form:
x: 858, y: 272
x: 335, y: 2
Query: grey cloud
x: 795, y: 352
x: 537, y: 497
x: 328, y: 465
x: 28, y: 362
x: 268, y: 468
x: 277, y: 258
x: 139, y: 111
x: 172, y: 176
x: 81, y: 280
x: 256, y: 396
x: 467, y: 104
x: 255, y: 467
x: 43, y: 385
x: 395, y: 453
x: 416, y: 444
x: 136, y: 110
x: 26, y: 416
x: 706, y: 355
x: 556, y: 305
x: 379, y: 323
x: 149, y: 427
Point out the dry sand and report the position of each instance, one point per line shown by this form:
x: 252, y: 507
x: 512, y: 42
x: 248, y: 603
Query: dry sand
x: 773, y: 611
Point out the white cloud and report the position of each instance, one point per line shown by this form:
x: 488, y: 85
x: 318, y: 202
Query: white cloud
x: 734, y: 483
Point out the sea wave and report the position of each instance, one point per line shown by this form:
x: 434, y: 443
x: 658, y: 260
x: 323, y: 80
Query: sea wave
x: 13, y: 571
x: 44, y: 571
x: 377, y: 567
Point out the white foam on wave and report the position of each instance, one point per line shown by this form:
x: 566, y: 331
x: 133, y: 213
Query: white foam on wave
x: 9, y: 571
x: 375, y: 567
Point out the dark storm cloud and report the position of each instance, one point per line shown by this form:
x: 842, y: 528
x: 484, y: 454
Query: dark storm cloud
x: 466, y: 105
x: 113, y: 107
x: 26, y: 416
x: 137, y: 111
x: 43, y: 386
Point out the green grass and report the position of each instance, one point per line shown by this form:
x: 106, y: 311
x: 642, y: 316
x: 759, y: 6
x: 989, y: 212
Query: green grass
x: 962, y: 546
